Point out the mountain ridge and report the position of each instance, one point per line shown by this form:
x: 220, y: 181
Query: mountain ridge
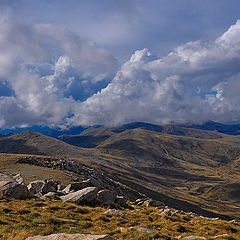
x: 183, y: 171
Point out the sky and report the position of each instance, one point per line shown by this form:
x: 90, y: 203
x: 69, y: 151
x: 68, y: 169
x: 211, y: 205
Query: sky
x: 108, y: 62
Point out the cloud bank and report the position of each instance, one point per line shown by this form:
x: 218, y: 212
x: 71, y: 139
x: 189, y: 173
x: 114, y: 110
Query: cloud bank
x: 173, y: 88
x: 50, y: 76
x: 45, y: 71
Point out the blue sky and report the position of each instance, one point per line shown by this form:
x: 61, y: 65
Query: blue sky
x: 69, y: 63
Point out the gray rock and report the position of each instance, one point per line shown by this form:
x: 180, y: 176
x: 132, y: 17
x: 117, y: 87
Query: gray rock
x: 114, y: 212
x: 13, y: 189
x: 169, y: 213
x: 18, y: 178
x: 96, y: 182
x: 106, y: 197
x: 140, y: 203
x: 75, y: 186
x: 85, y: 195
x: 35, y: 187
x: 142, y: 229
x: 140, y: 200
x: 121, y: 200
x: 65, y: 236
x: 224, y: 235
x: 50, y: 186
x: 193, y: 237
x: 67, y: 189
x: 153, y: 203
x: 60, y: 187
x: 51, y: 195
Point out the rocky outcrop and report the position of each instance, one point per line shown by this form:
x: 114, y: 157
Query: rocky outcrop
x: 89, y: 177
x: 106, y: 197
x: 50, y: 186
x: 75, y: 186
x: 18, y: 178
x: 12, y: 189
x: 86, y: 195
x: 121, y: 200
x: 51, y: 195
x: 36, y: 186
x: 66, y: 236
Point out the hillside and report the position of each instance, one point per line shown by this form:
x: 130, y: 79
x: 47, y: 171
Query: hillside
x: 94, y: 136
x: 182, y: 168
x: 231, y: 129
x: 173, y: 129
x: 89, y: 138
x: 31, y: 142
x: 199, y: 175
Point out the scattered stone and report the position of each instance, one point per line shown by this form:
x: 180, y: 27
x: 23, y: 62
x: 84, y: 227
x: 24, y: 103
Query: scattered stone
x: 67, y: 189
x: 169, y: 213
x: 106, y: 197
x: 96, y: 182
x: 114, y: 212
x: 10, y: 188
x: 66, y: 236
x: 60, y: 187
x: 51, y: 195
x: 210, y: 219
x: 194, y: 237
x: 50, y: 186
x: 85, y: 195
x: 220, y: 236
x: 18, y: 178
x: 142, y: 229
x: 35, y: 186
x: 75, y: 186
x: 153, y: 203
x: 140, y: 200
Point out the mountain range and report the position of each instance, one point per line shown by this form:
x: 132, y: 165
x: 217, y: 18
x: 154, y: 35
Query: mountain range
x: 183, y: 166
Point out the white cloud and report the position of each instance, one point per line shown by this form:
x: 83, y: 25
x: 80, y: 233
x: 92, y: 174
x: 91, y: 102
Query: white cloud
x: 45, y: 66
x: 55, y: 78
x: 172, y: 88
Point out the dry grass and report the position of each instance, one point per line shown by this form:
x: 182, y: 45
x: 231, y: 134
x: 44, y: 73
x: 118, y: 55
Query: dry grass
x: 9, y: 165
x: 20, y: 219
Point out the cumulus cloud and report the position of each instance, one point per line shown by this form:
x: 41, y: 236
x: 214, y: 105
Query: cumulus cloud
x: 50, y: 76
x: 173, y: 88
x: 45, y: 71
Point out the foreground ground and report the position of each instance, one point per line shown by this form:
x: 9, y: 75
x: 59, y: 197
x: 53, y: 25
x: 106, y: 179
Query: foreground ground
x: 20, y: 219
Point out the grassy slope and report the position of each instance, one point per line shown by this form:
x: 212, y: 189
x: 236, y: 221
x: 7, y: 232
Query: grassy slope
x: 20, y: 219
x: 9, y: 165
x: 94, y: 136
x: 89, y: 138
x: 184, y: 172
x: 182, y: 168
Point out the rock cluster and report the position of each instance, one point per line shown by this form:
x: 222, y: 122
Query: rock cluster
x: 89, y: 177
x: 84, y: 192
x: 10, y: 187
